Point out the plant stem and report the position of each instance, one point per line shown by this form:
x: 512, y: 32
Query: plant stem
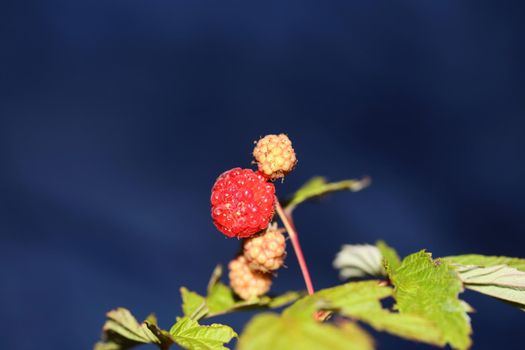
x: 294, y: 237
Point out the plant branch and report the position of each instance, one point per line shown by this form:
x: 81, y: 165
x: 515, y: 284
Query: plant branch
x: 294, y: 237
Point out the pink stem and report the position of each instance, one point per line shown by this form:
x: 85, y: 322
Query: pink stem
x: 294, y: 237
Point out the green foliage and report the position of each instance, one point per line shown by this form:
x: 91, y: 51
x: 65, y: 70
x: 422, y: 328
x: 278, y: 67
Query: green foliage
x: 189, y: 334
x: 193, y: 304
x: 275, y: 332
x: 354, y: 296
x: 283, y: 299
x: 430, y: 288
x: 427, y: 308
x: 499, y: 281
x: 391, y: 260
x: 361, y: 301
x: 122, y: 331
x: 500, y: 277
x: 425, y: 293
x: 318, y: 186
x: 356, y: 301
x: 221, y: 300
x: 486, y: 261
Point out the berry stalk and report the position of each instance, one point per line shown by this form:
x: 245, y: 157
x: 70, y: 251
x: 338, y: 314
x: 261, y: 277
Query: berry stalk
x: 294, y: 237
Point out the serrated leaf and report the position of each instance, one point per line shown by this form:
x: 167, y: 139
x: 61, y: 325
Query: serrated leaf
x: 122, y: 322
x: 391, y: 260
x: 358, y: 295
x: 409, y: 326
x: 220, y: 298
x: 318, y: 186
x: 361, y: 301
x: 192, y: 303
x: 499, y: 281
x: 122, y: 331
x: 430, y: 288
x: 270, y: 331
x: 189, y: 334
x: 485, y: 260
x: 359, y: 260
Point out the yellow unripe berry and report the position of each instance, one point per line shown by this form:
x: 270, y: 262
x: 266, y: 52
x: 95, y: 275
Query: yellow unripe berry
x: 275, y: 156
x: 246, y: 283
x: 265, y: 252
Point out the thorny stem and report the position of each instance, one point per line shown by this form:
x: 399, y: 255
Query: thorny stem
x: 294, y: 237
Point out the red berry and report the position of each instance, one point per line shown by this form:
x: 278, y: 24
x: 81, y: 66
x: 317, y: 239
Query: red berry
x: 242, y: 202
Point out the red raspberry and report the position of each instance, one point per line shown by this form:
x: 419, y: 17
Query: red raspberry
x: 242, y: 202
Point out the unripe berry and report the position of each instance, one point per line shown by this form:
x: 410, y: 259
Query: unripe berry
x: 242, y: 202
x: 265, y: 252
x: 246, y: 283
x: 275, y: 156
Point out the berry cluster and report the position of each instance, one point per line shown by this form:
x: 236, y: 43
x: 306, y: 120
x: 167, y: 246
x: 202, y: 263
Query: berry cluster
x: 242, y: 206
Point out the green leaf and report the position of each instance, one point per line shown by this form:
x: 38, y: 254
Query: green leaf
x: 361, y: 301
x: 430, y: 288
x: 484, y: 260
x: 284, y: 299
x: 359, y: 260
x: 391, y: 260
x: 499, y: 281
x: 408, y: 326
x: 360, y: 338
x: 220, y: 298
x: 193, y: 304
x: 356, y: 295
x: 165, y: 339
x: 108, y: 346
x: 122, y: 322
x: 222, y: 301
x: 122, y: 331
x: 273, y: 332
x: 189, y: 334
x: 318, y: 186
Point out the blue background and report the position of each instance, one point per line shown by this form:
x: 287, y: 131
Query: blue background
x: 117, y: 116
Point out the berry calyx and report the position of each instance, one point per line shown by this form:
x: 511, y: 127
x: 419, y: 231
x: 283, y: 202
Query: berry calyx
x: 242, y: 202
x: 275, y: 156
x: 265, y: 252
x: 246, y: 283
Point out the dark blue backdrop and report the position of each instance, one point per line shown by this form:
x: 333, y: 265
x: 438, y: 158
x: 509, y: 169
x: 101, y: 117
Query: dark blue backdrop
x: 116, y: 117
